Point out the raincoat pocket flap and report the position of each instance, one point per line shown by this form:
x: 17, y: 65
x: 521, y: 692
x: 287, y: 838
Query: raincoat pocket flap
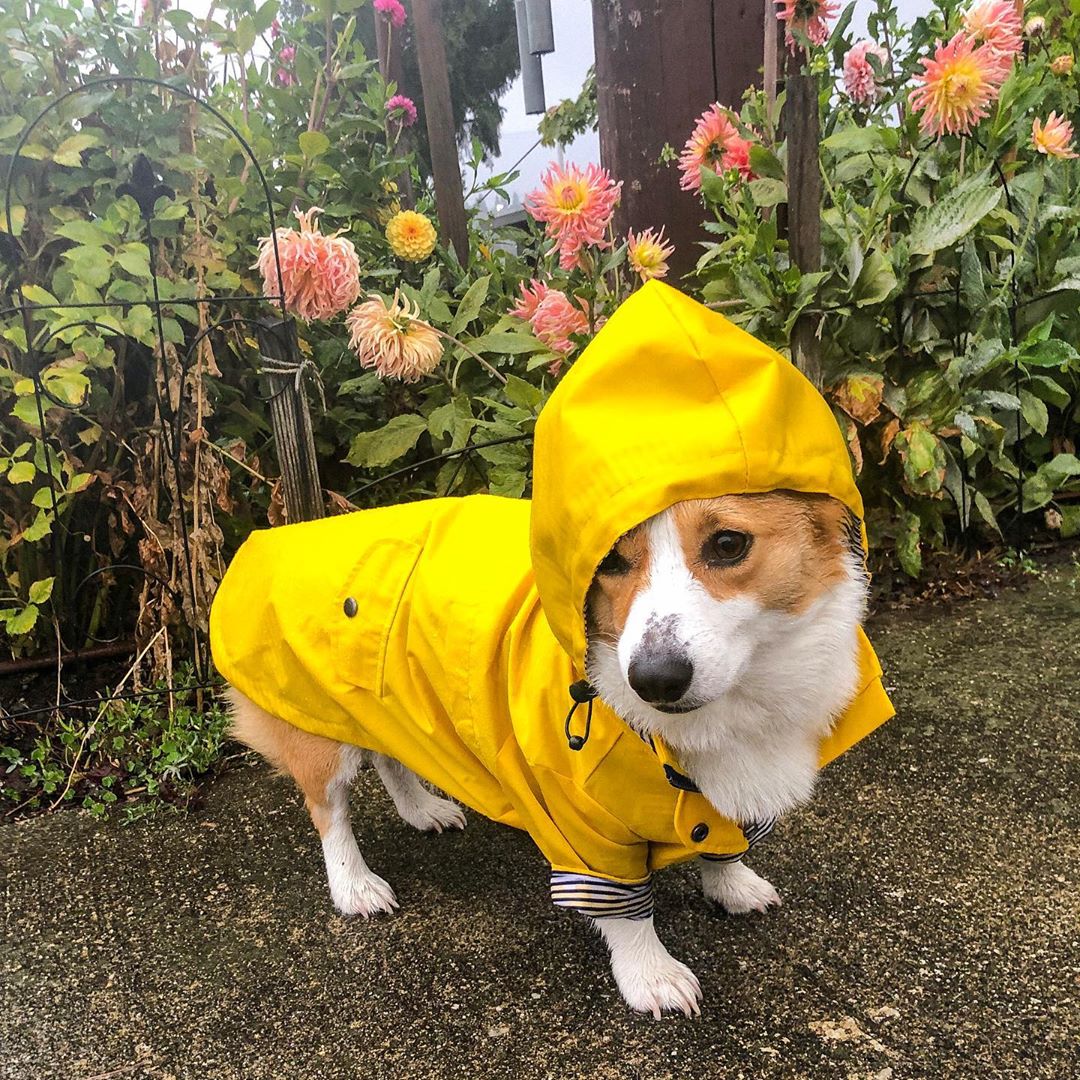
x: 370, y: 599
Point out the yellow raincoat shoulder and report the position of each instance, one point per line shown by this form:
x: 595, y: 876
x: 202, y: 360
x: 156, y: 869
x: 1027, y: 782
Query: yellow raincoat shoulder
x: 446, y: 634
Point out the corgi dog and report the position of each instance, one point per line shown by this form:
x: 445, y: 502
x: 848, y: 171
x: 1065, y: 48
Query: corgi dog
x: 725, y: 629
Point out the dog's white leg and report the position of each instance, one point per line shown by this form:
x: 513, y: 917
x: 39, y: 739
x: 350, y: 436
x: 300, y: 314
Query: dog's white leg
x: 650, y: 979
x: 736, y: 888
x: 421, y: 808
x: 355, y: 888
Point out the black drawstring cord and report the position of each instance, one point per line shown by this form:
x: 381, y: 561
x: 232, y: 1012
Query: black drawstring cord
x: 583, y: 694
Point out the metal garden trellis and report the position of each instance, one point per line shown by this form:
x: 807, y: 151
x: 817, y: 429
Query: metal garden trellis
x: 281, y: 364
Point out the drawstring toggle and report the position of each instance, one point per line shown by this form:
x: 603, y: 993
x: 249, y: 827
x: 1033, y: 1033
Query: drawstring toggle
x: 582, y: 694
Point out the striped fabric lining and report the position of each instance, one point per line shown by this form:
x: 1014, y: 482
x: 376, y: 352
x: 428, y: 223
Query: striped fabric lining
x: 754, y: 832
x: 601, y: 898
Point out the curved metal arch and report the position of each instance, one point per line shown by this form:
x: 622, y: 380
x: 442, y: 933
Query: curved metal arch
x: 176, y: 594
x: 114, y: 81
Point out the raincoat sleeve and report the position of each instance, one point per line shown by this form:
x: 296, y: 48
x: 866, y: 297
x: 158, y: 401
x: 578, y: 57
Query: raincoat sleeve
x: 599, y: 866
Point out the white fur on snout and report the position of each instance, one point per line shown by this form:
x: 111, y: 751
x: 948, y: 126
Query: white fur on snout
x: 717, y: 636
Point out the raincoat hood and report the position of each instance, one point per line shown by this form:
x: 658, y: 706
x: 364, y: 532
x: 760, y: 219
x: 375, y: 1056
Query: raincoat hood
x: 670, y: 401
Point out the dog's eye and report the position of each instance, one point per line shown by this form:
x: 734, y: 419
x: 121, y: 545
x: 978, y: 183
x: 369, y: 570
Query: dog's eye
x: 726, y: 547
x: 613, y: 563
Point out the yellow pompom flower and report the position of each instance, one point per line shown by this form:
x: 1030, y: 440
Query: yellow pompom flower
x: 1062, y: 65
x: 411, y: 235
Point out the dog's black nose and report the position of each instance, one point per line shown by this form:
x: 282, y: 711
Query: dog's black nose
x: 660, y: 677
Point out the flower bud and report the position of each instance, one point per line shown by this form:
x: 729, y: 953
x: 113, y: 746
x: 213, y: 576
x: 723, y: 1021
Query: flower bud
x: 1062, y: 65
x: 1035, y: 27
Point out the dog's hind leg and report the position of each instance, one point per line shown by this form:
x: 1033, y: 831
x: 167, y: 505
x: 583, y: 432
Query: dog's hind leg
x: 323, y: 770
x: 421, y: 808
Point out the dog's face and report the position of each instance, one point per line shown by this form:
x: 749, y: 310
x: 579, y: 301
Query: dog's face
x: 717, y: 598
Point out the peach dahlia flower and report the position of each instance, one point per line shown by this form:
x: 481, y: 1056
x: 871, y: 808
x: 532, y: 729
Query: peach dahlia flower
x: 320, y: 274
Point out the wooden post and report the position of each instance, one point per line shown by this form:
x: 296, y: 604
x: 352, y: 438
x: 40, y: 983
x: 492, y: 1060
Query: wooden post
x: 803, y: 131
x: 290, y: 419
x: 439, y: 117
x: 659, y: 66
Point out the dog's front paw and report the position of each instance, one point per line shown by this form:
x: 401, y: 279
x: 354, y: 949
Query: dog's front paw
x: 657, y: 983
x: 435, y: 814
x: 363, y: 894
x: 737, y: 889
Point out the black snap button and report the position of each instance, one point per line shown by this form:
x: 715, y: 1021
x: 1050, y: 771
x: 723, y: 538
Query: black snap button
x: 699, y: 832
x: 350, y: 606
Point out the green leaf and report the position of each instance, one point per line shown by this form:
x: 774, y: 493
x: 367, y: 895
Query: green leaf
x: 39, y: 527
x: 1034, y: 411
x: 986, y: 512
x: 313, y: 144
x: 767, y: 191
x: 24, y: 622
x: 67, y: 385
x: 763, y: 162
x: 1052, y: 352
x: 41, y: 590
x: 470, y: 304
x: 853, y: 140
x: 876, y: 280
x: 1070, y: 521
x: 11, y: 126
x: 22, y: 472
x: 713, y: 188
x: 35, y: 294
x: 84, y: 232
x: 18, y: 220
x: 1050, y: 391
x: 506, y: 343
x: 372, y: 449
x: 70, y: 150
x: 93, y: 265
x: 949, y: 219
x: 907, y: 544
x: 522, y: 393
x: 136, y: 263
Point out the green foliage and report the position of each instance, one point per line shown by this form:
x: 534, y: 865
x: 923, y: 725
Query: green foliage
x: 946, y: 312
x: 132, y: 755
x: 572, y: 117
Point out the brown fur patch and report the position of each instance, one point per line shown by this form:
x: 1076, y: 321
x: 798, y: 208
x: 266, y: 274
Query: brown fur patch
x: 311, y: 760
x: 610, y: 595
x: 800, y: 547
x: 798, y: 550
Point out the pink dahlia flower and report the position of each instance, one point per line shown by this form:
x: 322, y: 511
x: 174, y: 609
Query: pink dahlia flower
x: 716, y: 143
x: 860, y: 81
x: 1054, y: 138
x: 392, y: 11
x: 810, y: 16
x: 957, y: 86
x: 531, y: 297
x: 556, y: 317
x: 320, y: 274
x: 576, y: 206
x: 402, y: 109
x: 997, y: 25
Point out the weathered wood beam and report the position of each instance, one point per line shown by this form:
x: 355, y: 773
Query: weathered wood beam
x: 659, y: 65
x: 439, y: 118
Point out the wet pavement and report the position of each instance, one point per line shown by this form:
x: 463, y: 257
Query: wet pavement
x: 930, y: 927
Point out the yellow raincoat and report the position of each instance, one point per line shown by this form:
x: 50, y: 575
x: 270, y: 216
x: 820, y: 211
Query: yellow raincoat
x: 446, y: 633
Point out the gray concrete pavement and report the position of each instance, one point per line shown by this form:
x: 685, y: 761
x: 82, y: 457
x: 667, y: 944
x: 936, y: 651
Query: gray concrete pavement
x: 930, y: 922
